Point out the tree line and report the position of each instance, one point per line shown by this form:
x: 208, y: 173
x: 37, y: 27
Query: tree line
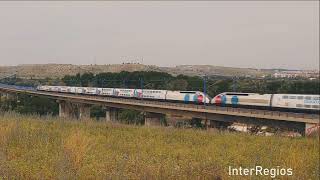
x: 212, y: 85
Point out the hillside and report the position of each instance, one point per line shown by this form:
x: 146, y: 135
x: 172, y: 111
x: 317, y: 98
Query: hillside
x: 60, y: 70
x: 49, y: 148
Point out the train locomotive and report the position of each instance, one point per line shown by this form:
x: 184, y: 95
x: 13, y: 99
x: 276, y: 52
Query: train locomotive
x: 294, y: 102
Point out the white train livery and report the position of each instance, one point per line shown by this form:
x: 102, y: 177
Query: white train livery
x: 152, y: 94
x: 284, y: 101
x: 302, y: 102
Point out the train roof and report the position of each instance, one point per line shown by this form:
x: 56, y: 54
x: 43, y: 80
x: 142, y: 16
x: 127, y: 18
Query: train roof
x: 298, y: 94
x: 238, y: 93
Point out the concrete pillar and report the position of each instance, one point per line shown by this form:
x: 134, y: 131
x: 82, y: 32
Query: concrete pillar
x: 112, y: 114
x: 153, y: 119
x: 62, y: 109
x: 84, y: 111
x: 108, y: 117
x: 312, y: 129
x: 66, y: 110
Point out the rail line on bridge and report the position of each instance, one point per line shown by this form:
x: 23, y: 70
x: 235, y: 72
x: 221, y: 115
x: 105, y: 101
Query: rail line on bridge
x: 226, y: 114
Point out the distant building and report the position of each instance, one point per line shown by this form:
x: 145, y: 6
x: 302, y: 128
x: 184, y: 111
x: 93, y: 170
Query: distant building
x: 294, y: 74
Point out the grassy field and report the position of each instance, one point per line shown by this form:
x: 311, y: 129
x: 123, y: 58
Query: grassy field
x: 49, y: 148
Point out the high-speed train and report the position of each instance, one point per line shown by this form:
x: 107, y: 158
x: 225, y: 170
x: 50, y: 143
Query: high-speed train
x: 295, y: 102
x: 274, y: 101
x: 196, y: 97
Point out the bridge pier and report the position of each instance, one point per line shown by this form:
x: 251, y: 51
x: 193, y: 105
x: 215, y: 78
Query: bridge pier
x: 112, y: 114
x: 84, y: 111
x: 1, y: 100
x: 312, y: 129
x: 66, y: 109
x: 153, y: 119
x: 74, y: 111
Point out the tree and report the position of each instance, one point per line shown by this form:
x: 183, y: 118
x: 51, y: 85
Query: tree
x: 178, y: 84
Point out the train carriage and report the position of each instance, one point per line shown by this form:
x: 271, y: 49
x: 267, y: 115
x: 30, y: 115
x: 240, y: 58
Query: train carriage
x: 129, y: 93
x: 282, y: 102
x: 54, y: 88
x: 296, y: 101
x: 150, y: 94
x: 80, y: 90
x: 63, y: 89
x: 72, y: 90
x: 107, y: 91
x: 43, y: 88
x: 90, y: 90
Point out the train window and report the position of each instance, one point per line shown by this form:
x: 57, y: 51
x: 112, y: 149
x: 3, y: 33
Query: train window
x: 190, y: 92
x: 316, y: 98
x: 307, y: 97
x: 299, y: 105
x: 237, y: 94
x: 284, y: 97
x: 293, y: 97
x: 307, y: 106
x: 316, y: 106
x: 300, y: 97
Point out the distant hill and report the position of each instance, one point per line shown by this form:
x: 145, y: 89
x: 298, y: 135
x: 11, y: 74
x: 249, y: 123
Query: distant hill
x: 60, y: 70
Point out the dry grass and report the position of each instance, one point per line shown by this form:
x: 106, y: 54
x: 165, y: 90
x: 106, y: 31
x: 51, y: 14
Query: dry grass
x: 49, y: 148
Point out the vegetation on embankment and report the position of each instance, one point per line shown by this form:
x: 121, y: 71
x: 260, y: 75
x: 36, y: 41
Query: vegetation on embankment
x: 34, y: 147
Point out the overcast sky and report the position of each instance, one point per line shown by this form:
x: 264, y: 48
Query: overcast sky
x: 239, y: 34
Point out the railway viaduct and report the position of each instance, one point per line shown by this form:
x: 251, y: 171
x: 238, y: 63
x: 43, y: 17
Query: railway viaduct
x: 78, y: 106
